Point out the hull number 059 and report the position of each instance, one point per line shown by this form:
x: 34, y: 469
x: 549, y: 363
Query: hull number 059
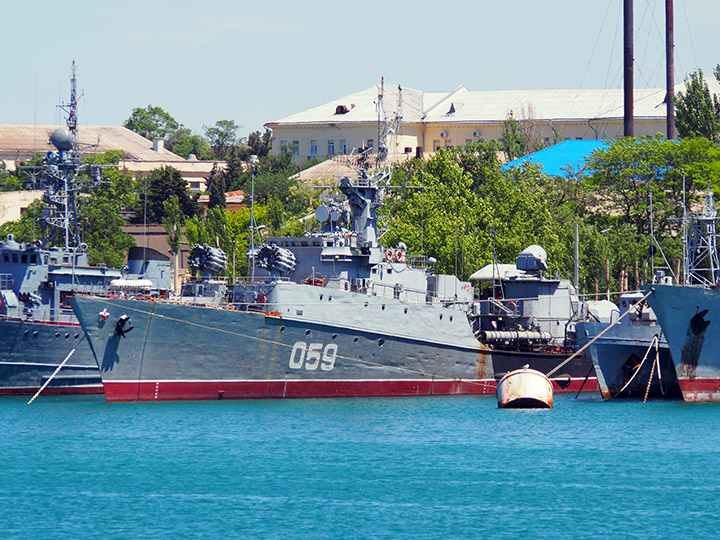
x: 313, y: 356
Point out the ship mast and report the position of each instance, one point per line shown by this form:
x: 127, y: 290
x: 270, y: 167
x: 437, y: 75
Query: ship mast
x: 628, y: 126
x: 670, y: 68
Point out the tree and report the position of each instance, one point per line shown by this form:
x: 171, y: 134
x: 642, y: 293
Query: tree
x: 512, y: 140
x: 697, y: 113
x: 151, y: 122
x: 222, y: 136
x: 215, y: 187
x: 156, y: 188
x: 183, y: 143
x: 172, y: 222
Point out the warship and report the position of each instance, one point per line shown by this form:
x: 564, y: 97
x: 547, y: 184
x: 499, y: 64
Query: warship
x: 38, y: 330
x: 330, y: 314
x: 631, y: 356
x: 686, y: 314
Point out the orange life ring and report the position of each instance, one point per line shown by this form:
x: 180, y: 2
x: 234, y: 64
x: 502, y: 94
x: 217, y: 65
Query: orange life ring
x: 511, y: 305
x: 389, y: 254
x: 399, y: 257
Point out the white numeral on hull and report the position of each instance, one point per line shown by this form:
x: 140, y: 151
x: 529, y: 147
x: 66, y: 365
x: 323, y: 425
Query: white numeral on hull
x: 313, y: 355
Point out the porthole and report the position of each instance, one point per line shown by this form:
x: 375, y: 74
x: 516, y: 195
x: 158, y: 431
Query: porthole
x: 383, y: 307
x: 381, y: 342
x: 307, y: 332
x: 26, y: 332
x: 441, y: 316
x: 355, y: 340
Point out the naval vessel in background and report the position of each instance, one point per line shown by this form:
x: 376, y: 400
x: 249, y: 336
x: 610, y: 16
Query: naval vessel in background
x: 38, y: 329
x: 333, y: 314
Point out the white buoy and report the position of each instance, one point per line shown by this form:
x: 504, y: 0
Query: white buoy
x: 525, y: 389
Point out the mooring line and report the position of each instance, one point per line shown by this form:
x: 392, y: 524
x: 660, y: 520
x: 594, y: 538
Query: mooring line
x: 582, y: 349
x: 56, y: 371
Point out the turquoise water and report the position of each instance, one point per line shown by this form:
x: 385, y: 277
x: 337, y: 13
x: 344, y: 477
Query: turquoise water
x: 358, y: 468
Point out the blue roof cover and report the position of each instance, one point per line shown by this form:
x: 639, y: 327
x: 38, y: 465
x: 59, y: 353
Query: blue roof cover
x: 571, y: 153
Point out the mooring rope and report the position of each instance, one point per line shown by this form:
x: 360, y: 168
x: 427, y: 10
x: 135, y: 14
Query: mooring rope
x: 582, y: 349
x: 647, y: 352
x: 56, y: 370
x: 652, y: 370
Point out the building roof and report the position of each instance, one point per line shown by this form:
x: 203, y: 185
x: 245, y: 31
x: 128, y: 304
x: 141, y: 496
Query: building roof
x: 556, y: 160
x: 20, y: 141
x: 361, y: 107
x: 466, y: 106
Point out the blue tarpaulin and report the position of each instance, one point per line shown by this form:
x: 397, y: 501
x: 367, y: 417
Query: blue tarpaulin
x: 567, y: 154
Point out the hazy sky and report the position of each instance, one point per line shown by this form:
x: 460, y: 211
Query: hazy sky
x: 255, y: 62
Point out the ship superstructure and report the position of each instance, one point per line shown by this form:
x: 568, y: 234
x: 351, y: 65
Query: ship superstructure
x: 37, y: 326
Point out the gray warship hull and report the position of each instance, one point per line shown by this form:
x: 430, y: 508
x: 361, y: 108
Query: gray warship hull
x: 30, y: 352
x: 618, y: 359
x: 688, y: 316
x: 300, y: 350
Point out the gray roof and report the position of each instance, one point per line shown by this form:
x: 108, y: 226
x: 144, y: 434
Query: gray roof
x: 20, y: 141
x: 466, y: 106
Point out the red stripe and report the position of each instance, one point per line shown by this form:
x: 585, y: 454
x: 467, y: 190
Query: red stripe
x: 700, y: 389
x: 184, y: 390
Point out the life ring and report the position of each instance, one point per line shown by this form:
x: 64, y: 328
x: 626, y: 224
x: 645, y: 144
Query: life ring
x: 399, y: 256
x: 511, y: 305
x: 389, y: 254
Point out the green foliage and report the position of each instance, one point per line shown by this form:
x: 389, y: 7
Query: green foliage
x: 512, y: 140
x: 111, y: 157
x: 222, y: 137
x: 629, y: 170
x: 151, y: 122
x: 230, y: 231
x: 27, y: 228
x: 158, y: 186
x: 172, y: 223
x: 183, y: 143
x: 697, y: 113
x: 216, y: 188
x: 9, y: 182
x: 467, y: 207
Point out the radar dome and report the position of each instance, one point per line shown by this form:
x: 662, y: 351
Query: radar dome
x: 532, y: 258
x: 61, y: 139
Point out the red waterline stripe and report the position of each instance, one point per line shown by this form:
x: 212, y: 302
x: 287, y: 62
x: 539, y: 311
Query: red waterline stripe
x: 197, y: 390
x: 700, y: 389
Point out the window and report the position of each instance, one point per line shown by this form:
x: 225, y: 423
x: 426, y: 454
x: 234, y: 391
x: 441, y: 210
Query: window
x: 283, y: 148
x: 448, y: 143
x: 436, y: 145
x: 370, y: 143
x: 313, y: 148
x: 343, y: 146
x: 331, y: 148
x: 296, y: 148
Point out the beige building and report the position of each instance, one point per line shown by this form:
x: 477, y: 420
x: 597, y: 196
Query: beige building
x: 19, y: 142
x: 433, y: 120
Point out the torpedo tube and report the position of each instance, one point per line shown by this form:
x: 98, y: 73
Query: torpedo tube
x: 525, y: 388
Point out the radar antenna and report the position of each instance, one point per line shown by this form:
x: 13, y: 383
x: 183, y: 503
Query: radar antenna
x: 59, y: 177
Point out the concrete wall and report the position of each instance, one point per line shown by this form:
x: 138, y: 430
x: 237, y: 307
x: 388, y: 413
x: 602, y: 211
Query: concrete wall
x: 14, y: 203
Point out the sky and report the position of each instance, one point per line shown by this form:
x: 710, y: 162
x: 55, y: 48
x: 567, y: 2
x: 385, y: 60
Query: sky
x: 257, y: 62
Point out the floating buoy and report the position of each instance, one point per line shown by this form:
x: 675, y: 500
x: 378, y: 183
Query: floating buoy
x: 525, y: 388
